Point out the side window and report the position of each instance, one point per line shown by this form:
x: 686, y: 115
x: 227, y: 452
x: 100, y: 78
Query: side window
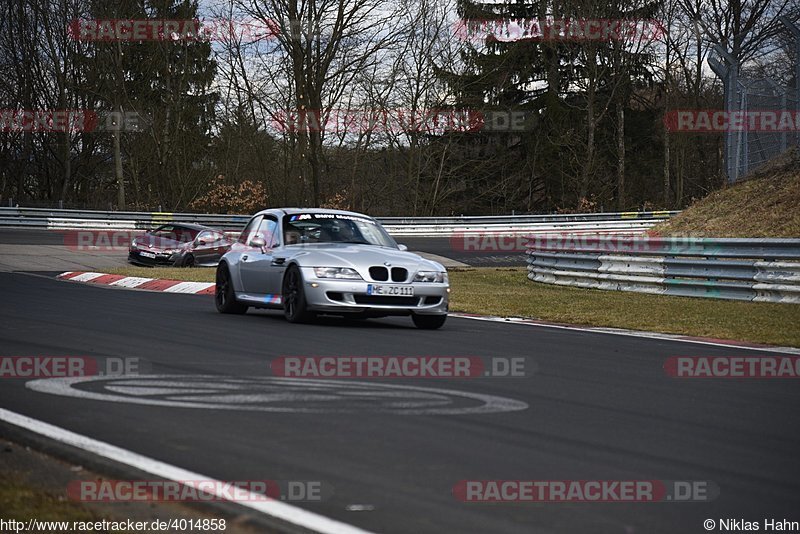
x: 268, y: 230
x: 249, y: 230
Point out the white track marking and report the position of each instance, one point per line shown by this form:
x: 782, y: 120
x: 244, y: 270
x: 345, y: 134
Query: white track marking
x: 282, y: 511
x: 275, y: 390
x: 131, y: 281
x: 623, y: 332
x: 188, y: 287
x: 85, y: 277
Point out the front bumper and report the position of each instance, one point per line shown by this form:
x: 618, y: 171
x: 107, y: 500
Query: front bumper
x: 350, y: 296
x: 134, y: 256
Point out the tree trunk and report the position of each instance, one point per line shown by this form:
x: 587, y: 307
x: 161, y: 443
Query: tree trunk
x: 620, y: 157
x: 665, y: 191
x: 587, y: 168
x: 118, y: 165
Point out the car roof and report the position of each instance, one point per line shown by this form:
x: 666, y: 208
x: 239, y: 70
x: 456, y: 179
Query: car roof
x: 295, y: 211
x: 190, y: 226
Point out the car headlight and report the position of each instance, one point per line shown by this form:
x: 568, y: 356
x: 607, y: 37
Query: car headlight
x: 134, y: 244
x: 432, y: 277
x: 341, y: 273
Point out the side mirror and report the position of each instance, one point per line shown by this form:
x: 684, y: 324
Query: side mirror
x: 402, y: 247
x: 258, y: 242
x: 202, y: 242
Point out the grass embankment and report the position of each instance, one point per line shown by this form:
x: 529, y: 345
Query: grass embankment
x: 21, y: 501
x: 765, y: 204
x: 507, y: 292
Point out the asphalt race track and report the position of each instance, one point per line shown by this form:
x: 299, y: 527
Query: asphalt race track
x: 599, y: 406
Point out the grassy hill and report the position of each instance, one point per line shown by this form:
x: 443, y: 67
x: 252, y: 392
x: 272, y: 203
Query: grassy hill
x: 765, y: 204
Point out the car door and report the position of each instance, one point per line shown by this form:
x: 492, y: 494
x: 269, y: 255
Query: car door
x: 221, y: 245
x: 205, y: 248
x: 256, y: 263
x: 278, y: 264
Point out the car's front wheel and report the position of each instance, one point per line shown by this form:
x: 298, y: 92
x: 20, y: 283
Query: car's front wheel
x: 295, y: 306
x: 428, y: 322
x: 186, y: 261
x: 224, y: 295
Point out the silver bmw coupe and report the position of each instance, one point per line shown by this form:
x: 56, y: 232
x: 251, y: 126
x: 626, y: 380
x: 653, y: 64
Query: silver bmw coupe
x: 321, y: 261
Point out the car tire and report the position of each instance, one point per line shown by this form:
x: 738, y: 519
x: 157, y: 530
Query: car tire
x: 295, y: 306
x: 224, y: 295
x: 185, y: 261
x: 428, y: 322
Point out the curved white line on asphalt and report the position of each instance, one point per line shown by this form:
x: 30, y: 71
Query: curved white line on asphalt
x: 277, y: 509
x: 623, y: 332
x: 315, y: 390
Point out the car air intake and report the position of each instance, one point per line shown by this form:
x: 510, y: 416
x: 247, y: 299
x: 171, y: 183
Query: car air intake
x: 399, y: 274
x: 379, y: 274
x: 382, y: 300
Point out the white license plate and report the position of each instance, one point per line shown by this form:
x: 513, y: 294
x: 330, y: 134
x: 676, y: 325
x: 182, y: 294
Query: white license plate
x: 391, y: 291
x: 147, y: 254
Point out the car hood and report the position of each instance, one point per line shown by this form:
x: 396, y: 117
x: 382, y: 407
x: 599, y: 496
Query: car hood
x: 355, y: 255
x: 158, y: 243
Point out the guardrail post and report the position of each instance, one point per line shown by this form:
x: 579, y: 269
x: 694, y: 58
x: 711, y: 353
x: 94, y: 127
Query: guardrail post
x: 726, y: 67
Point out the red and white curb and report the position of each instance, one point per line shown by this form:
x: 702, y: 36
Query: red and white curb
x: 135, y: 282
x: 206, y: 288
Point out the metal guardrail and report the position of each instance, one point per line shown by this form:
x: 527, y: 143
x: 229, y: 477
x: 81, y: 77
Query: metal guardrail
x: 58, y: 219
x: 765, y: 270
x: 522, y: 219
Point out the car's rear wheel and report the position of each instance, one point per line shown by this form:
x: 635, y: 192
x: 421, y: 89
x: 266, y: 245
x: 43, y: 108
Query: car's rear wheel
x: 224, y: 295
x: 295, y: 306
x: 428, y: 322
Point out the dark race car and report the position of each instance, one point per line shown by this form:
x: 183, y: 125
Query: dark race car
x: 179, y: 245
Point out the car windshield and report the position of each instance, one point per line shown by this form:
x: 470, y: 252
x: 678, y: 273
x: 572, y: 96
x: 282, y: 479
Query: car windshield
x: 306, y: 228
x: 176, y: 233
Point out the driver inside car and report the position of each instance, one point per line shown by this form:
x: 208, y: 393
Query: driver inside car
x: 292, y: 237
